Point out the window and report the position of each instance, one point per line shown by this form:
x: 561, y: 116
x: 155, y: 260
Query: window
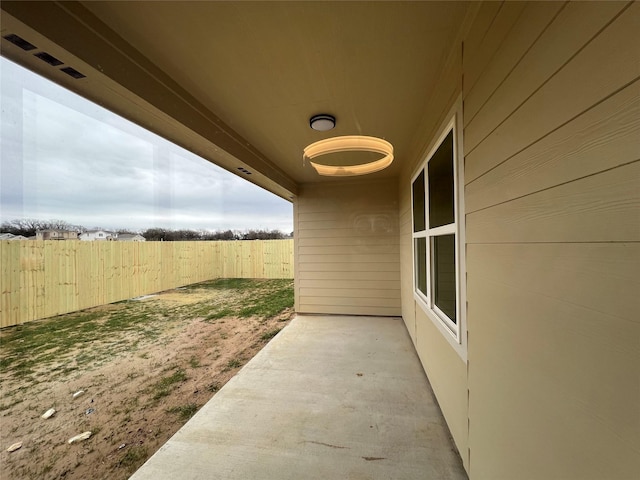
x: 437, y: 234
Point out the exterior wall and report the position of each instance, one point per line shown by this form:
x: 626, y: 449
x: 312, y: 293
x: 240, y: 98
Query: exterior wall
x: 446, y: 370
x: 130, y: 238
x: 56, y: 235
x: 98, y: 235
x: 550, y: 389
x: 346, y: 248
x: 551, y: 143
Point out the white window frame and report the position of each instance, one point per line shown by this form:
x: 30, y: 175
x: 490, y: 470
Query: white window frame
x: 455, y: 333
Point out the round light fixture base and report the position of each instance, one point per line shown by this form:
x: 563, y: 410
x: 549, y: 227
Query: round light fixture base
x: 323, y: 122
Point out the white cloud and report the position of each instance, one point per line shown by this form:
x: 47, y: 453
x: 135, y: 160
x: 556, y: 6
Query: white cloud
x: 72, y: 160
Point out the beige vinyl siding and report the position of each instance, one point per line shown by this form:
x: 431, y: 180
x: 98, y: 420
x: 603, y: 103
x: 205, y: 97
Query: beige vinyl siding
x: 551, y: 110
x: 406, y: 261
x: 447, y: 373
x: 552, y: 152
x: 446, y: 370
x: 347, y: 248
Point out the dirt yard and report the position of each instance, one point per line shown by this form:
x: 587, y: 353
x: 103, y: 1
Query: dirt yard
x: 145, y: 366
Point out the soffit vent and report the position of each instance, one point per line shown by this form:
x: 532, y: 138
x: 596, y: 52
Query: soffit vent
x: 47, y: 58
x: 72, y: 72
x: 44, y: 56
x: 20, y: 42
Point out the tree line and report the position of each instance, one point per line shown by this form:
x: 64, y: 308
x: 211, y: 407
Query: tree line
x: 28, y: 227
x: 168, y: 235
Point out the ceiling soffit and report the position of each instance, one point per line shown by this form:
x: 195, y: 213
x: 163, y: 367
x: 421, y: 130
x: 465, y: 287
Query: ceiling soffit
x: 255, y: 72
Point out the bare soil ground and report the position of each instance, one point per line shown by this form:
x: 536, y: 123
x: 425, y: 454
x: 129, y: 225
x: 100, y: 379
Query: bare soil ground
x: 145, y: 365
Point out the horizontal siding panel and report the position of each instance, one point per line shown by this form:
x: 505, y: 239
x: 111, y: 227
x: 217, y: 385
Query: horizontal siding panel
x: 347, y: 215
x: 355, y: 301
x: 362, y: 225
x: 351, y: 284
x: 552, y: 106
x: 607, y: 272
x: 350, y: 250
x: 306, y: 293
x: 604, y: 137
x: 349, y: 241
x: 484, y: 18
x: 479, y: 51
x: 332, y: 275
x: 348, y: 310
x: 574, y: 26
x: 603, y: 207
x: 347, y: 248
x: 533, y: 22
x: 355, y: 258
x: 341, y: 233
x: 348, y: 267
x: 576, y: 370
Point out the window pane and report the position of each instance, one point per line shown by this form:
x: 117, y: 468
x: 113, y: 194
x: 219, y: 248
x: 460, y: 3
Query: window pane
x: 419, y: 223
x: 444, y: 259
x: 421, y: 264
x: 441, y: 208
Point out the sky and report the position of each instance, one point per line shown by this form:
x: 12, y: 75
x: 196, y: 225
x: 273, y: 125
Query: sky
x: 65, y: 158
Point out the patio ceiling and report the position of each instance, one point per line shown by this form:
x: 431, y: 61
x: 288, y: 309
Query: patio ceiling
x: 245, y: 77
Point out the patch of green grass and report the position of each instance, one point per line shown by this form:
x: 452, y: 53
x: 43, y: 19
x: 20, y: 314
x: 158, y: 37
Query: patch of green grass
x: 184, y: 412
x: 213, y: 387
x: 224, y: 312
x: 127, y: 319
x: 234, y: 363
x: 270, y: 334
x: 270, y: 301
x: 27, y: 345
x: 165, y: 385
x: 93, y: 335
x: 194, y: 362
x: 45, y: 341
x: 225, y: 284
x: 134, y: 457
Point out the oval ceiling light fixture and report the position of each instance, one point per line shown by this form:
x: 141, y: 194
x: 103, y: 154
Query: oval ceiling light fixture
x: 322, y: 122
x: 350, y: 143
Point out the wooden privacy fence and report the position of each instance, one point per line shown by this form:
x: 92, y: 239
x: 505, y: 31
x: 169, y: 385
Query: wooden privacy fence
x: 43, y: 279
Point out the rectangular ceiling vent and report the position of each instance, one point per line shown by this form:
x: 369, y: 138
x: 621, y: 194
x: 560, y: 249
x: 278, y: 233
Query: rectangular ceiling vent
x: 44, y: 56
x: 72, y: 72
x: 50, y: 59
x: 19, y: 42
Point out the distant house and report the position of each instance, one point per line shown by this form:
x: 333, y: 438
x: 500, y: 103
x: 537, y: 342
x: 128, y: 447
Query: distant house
x: 98, y: 235
x: 11, y: 236
x: 130, y: 237
x: 56, y: 234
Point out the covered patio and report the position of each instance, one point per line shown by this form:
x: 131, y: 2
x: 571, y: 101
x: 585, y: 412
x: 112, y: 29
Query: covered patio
x: 328, y: 397
x: 504, y: 235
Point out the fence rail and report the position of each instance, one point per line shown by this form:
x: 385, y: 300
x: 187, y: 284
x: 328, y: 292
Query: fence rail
x: 45, y: 278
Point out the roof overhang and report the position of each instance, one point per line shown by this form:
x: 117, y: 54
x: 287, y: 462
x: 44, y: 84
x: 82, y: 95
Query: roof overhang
x: 236, y: 82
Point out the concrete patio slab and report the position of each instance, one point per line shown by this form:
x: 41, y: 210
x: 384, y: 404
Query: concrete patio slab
x: 330, y: 397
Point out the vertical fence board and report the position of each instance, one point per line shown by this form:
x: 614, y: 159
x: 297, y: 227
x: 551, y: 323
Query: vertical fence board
x: 42, y: 279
